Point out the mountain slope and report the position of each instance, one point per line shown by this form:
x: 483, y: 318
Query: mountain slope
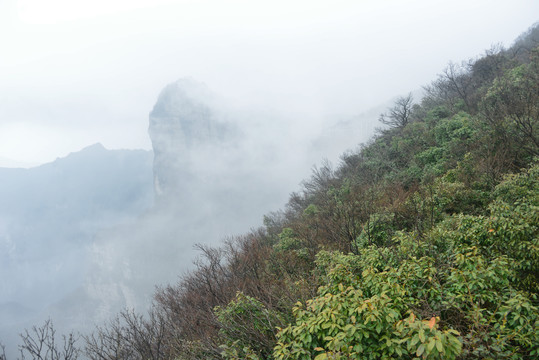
x: 422, y: 243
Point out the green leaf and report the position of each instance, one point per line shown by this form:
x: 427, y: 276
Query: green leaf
x: 414, y: 341
x: 430, y: 345
x: 439, y: 345
x: 420, y: 350
x: 422, y: 335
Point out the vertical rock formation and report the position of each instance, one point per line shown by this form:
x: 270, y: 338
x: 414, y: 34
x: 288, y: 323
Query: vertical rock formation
x: 214, y: 176
x: 184, y: 127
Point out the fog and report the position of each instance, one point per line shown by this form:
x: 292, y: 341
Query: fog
x: 225, y: 106
x: 75, y: 73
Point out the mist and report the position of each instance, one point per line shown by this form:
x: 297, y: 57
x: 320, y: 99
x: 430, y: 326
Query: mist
x: 75, y: 74
x: 108, y: 226
x: 133, y: 132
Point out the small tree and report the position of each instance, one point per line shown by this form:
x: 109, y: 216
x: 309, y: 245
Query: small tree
x: 399, y: 115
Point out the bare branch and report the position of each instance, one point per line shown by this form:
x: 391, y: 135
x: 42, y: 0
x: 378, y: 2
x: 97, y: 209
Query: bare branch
x: 399, y: 115
x: 40, y: 344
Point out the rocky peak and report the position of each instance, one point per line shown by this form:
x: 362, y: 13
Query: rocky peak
x: 183, y: 123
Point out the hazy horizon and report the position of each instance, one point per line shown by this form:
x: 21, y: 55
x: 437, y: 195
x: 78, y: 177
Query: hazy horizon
x: 76, y: 73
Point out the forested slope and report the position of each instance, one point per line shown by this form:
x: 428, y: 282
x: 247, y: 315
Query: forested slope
x: 423, y: 243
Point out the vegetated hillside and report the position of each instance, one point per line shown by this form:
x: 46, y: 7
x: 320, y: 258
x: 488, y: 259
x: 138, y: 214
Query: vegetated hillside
x: 422, y: 243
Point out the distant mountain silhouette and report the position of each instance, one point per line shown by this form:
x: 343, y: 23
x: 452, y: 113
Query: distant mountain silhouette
x: 50, y: 213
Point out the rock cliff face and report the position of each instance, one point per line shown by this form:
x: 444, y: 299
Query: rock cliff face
x: 184, y: 126
x: 199, y: 197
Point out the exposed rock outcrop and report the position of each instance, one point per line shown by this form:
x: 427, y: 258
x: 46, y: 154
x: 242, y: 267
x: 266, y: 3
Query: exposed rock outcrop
x: 186, y: 128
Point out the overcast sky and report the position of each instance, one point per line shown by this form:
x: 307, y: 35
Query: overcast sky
x: 77, y: 72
